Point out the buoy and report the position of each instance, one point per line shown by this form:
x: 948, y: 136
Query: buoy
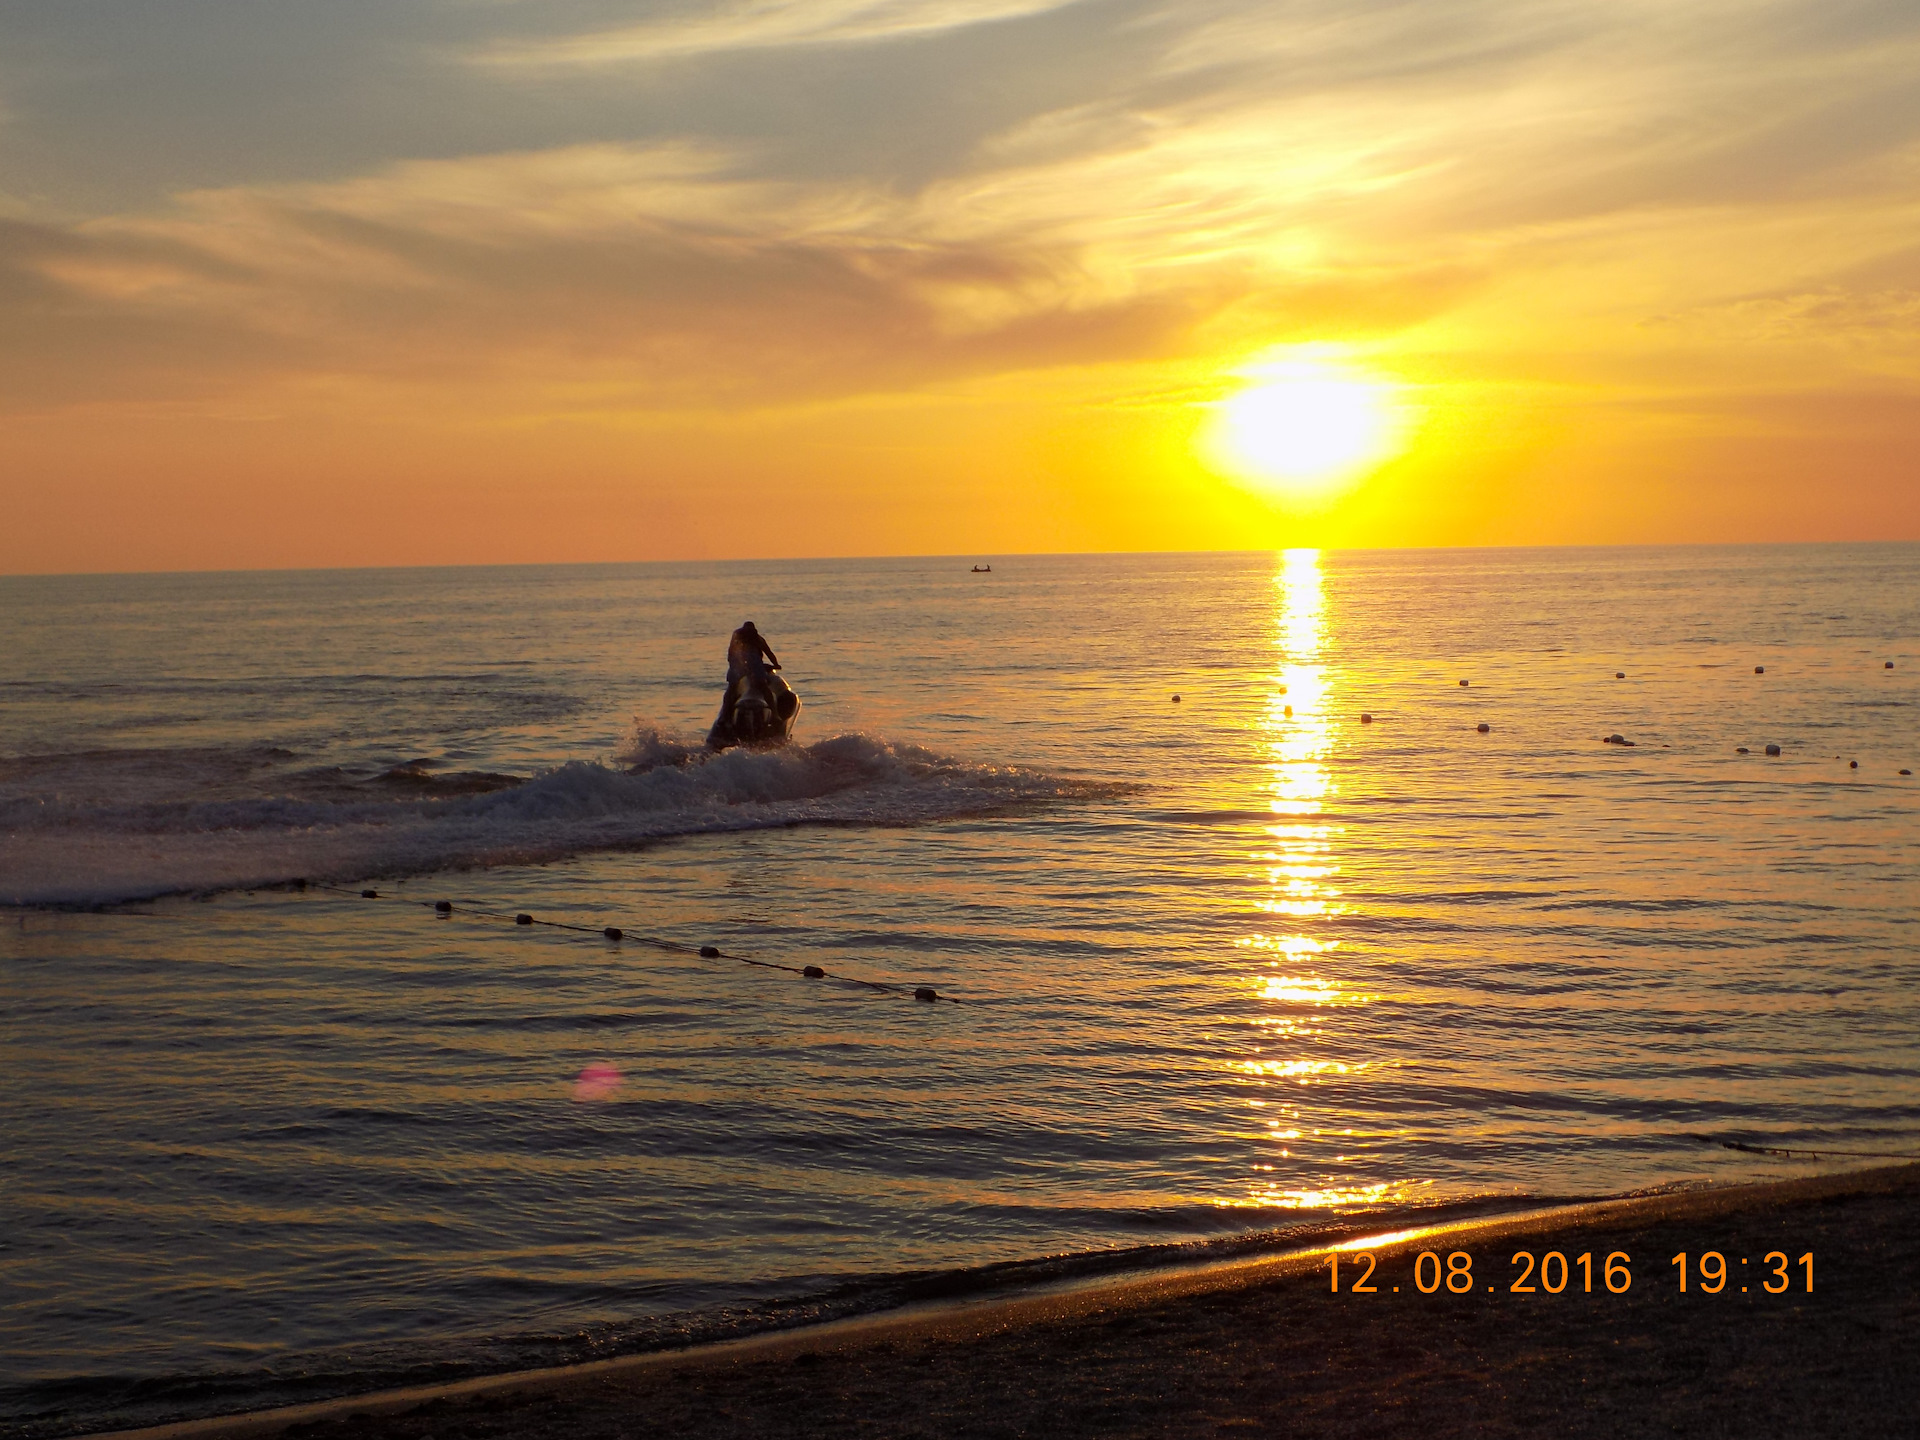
x: 1463, y: 682
x: 1741, y: 750
x: 523, y: 919
x: 1890, y: 666
x: 613, y: 932
x: 925, y: 992
x: 1483, y: 728
x: 1176, y: 699
x: 709, y: 952
x: 1619, y: 674
x: 814, y: 972
x: 1289, y: 711
x: 445, y: 907
x: 369, y: 894
x: 1853, y: 764
x: 1773, y: 749
x: 1759, y: 669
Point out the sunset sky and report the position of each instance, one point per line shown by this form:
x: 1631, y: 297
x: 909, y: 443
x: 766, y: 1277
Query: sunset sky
x: 358, y: 282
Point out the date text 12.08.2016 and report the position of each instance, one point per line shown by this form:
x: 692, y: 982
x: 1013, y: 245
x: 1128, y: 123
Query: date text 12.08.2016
x: 1553, y: 1274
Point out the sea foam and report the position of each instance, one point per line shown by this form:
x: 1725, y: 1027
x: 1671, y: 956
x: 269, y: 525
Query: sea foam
x: 67, y: 837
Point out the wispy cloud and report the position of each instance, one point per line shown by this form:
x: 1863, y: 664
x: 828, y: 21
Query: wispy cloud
x: 1534, y: 193
x: 761, y: 25
x: 654, y: 277
x: 1026, y: 244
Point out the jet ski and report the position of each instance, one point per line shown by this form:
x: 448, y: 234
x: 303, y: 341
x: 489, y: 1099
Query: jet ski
x: 758, y: 712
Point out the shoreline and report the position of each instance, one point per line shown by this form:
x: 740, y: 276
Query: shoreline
x: 576, y: 1399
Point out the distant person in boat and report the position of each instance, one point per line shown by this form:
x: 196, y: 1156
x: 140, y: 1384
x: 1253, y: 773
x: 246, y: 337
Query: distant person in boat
x: 745, y: 649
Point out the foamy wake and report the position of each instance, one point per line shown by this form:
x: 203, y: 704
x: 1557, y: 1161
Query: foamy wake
x: 77, y: 847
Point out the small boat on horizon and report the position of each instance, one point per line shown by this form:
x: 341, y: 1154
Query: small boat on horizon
x: 981, y: 570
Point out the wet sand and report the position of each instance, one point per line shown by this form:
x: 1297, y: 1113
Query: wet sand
x: 1262, y: 1346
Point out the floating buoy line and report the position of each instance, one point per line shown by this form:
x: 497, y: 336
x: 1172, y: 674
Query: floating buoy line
x: 446, y: 909
x: 1797, y: 1150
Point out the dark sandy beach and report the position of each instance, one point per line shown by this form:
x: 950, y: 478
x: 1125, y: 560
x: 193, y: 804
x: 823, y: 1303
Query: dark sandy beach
x: 1263, y: 1347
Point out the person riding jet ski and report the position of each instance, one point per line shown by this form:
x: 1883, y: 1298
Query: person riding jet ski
x: 745, y: 647
x: 759, y: 706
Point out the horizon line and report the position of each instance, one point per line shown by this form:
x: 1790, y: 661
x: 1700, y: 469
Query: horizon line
x: 976, y: 556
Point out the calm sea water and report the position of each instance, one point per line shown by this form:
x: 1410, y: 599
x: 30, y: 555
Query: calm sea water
x: 1225, y: 963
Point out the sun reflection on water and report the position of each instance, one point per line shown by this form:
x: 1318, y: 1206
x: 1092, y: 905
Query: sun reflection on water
x: 1301, y: 870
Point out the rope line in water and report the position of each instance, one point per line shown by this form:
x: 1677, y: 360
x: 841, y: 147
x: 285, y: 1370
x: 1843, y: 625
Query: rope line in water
x: 619, y: 934
x: 1783, y: 1150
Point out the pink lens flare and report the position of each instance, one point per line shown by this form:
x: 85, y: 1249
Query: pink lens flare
x: 597, y: 1082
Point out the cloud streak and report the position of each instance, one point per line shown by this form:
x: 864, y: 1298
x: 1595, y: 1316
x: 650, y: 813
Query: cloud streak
x: 1204, y: 203
x: 644, y: 275
x: 762, y: 25
x: 1553, y: 210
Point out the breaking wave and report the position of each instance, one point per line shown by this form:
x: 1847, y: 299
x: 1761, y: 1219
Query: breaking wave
x: 111, y: 826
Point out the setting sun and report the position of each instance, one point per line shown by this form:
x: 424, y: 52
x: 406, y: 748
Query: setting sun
x: 1304, y: 427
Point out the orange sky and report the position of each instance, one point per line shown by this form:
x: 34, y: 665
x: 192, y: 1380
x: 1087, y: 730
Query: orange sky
x: 328, y: 285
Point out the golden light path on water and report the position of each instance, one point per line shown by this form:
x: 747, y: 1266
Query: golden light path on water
x: 1301, y: 871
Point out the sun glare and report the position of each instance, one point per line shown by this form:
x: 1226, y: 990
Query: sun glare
x: 1304, y: 427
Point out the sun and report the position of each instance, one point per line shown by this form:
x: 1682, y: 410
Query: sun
x: 1304, y: 427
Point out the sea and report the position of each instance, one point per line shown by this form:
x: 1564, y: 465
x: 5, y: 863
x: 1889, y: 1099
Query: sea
x: 1255, y: 892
